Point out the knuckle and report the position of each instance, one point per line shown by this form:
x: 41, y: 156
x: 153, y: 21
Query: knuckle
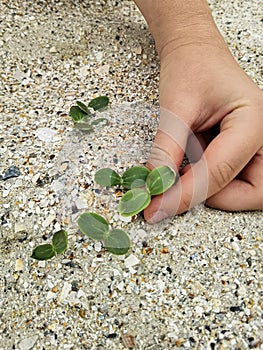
x: 222, y: 174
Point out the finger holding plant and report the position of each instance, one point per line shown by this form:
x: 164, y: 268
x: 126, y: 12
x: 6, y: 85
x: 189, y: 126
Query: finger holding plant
x: 141, y: 184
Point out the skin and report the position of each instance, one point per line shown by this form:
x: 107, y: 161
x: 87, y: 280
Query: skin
x: 221, y: 109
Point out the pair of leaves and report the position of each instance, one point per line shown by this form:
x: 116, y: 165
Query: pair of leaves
x: 96, y: 227
x: 81, y: 113
x: 132, y: 178
x: 141, y: 183
x: 47, y: 251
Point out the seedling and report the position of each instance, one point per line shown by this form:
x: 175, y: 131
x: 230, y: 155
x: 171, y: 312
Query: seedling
x: 82, y: 113
x: 96, y: 227
x: 132, y: 178
x: 47, y: 251
x: 141, y: 184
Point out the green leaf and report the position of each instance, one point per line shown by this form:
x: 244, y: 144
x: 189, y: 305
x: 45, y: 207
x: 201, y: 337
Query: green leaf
x: 135, y: 177
x: 107, y: 177
x: 117, y: 242
x: 160, y: 179
x: 100, y: 120
x: 43, y: 252
x: 134, y: 201
x: 99, y: 103
x: 93, y: 225
x: 83, y: 107
x: 77, y: 114
x: 85, y: 127
x: 60, y: 241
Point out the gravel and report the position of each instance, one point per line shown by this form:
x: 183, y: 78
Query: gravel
x: 190, y: 282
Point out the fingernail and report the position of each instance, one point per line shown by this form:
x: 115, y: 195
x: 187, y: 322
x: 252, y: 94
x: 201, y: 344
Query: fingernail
x: 158, y: 216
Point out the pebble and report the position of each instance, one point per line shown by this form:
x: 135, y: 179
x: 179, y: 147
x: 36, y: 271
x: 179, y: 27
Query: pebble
x: 12, y: 171
x: 65, y: 292
x: 48, y: 221
x: 5, y: 193
x: 131, y: 260
x: 103, y: 70
x: 46, y: 134
x: 19, y: 265
x: 20, y: 227
x: 27, y: 343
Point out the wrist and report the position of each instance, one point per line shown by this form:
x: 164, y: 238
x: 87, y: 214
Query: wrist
x: 176, y: 23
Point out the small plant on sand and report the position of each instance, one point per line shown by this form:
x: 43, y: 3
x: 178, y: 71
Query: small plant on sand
x: 58, y: 245
x: 96, y: 227
x: 141, y: 184
x: 81, y: 113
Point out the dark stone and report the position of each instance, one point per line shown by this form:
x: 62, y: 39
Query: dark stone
x: 13, y: 171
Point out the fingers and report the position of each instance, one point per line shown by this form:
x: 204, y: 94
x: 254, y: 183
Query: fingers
x: 222, y: 160
x: 170, y: 141
x: 244, y: 193
x: 237, y: 196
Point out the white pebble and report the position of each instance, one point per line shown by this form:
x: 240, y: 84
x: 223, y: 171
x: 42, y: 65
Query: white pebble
x: 51, y: 295
x: 5, y: 193
x: 45, y: 134
x: 65, y: 292
x: 41, y: 263
x: 97, y: 246
x: 199, y: 310
x: 49, y: 220
x: 235, y: 247
x: 103, y: 70
x: 120, y: 286
x: 20, y: 227
x: 131, y: 260
x: 27, y: 343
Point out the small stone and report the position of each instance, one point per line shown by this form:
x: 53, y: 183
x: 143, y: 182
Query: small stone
x: 19, y: 265
x: 81, y: 204
x: 120, y: 286
x: 23, y: 78
x: 27, y: 343
x: 12, y: 171
x: 5, y: 193
x: 235, y: 247
x: 99, y: 56
x: 103, y: 70
x: 125, y: 219
x: 20, y: 227
x: 97, y: 246
x: 45, y: 134
x: 131, y: 260
x: 65, y: 292
x: 51, y: 295
x: 83, y: 71
x: 137, y: 50
x: 49, y: 220
x: 42, y: 264
x: 57, y: 186
x: 141, y: 234
x: 128, y: 341
x: 53, y: 49
x: 199, y: 310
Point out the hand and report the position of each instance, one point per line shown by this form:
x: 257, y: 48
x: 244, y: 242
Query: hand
x: 211, y: 110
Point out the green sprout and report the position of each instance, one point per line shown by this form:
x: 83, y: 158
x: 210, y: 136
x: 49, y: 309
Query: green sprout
x: 132, y: 177
x: 81, y: 113
x: 141, y: 184
x: 47, y: 251
x: 116, y: 241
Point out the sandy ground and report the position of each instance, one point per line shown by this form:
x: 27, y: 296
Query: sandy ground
x: 190, y: 282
